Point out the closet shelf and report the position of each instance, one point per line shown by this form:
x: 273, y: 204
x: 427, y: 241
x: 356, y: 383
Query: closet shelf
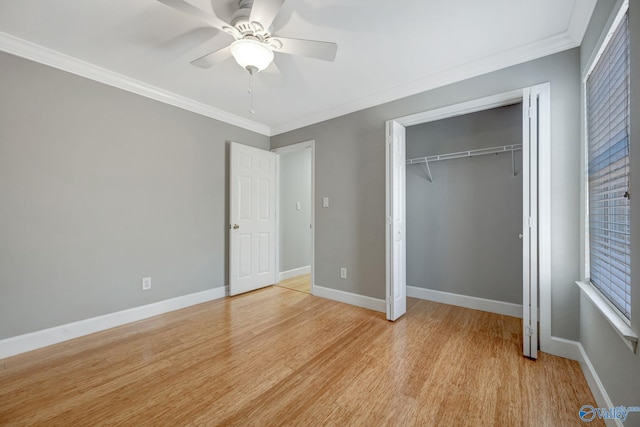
x: 424, y: 161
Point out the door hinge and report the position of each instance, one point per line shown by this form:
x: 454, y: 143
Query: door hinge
x: 530, y: 331
x: 389, y: 221
x: 529, y: 222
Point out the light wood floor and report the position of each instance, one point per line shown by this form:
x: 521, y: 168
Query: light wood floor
x: 299, y: 283
x: 281, y: 357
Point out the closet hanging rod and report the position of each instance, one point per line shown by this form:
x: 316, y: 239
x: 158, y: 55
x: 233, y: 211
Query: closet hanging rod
x: 468, y: 153
x: 424, y: 161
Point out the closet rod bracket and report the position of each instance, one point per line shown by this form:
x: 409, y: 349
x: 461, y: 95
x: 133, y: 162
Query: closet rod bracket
x: 427, y: 170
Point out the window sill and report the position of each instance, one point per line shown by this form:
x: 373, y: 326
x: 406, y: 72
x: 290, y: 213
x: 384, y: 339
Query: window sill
x: 619, y: 325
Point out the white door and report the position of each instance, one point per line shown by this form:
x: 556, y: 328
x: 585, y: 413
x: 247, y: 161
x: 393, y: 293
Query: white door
x: 396, y: 243
x: 530, y: 110
x: 253, y: 219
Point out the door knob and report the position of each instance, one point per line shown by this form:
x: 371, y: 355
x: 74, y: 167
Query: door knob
x: 236, y: 226
x: 520, y: 236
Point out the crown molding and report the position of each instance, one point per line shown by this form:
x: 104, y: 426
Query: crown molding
x: 569, y: 39
x: 482, y: 66
x: 580, y: 18
x: 52, y: 58
x: 572, y: 37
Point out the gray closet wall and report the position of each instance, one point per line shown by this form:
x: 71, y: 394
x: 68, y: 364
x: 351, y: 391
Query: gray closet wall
x: 462, y: 228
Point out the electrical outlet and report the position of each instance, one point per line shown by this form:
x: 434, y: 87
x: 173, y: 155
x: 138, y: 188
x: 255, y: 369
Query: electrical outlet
x: 343, y: 273
x: 146, y: 283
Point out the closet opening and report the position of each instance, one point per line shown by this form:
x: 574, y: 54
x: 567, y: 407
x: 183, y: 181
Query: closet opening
x: 464, y: 210
x: 467, y: 208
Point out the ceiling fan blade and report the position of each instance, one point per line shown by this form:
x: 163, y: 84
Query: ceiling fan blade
x: 208, y: 17
x: 265, y: 11
x: 213, y: 58
x: 311, y: 48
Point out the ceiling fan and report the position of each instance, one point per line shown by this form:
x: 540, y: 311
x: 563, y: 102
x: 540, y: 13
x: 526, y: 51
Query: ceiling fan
x: 254, y: 45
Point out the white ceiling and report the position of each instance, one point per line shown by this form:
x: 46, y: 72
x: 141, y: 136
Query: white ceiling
x: 386, y: 50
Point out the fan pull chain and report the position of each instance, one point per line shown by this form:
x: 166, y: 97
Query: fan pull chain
x: 251, y: 110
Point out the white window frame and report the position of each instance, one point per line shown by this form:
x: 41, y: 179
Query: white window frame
x: 615, y: 318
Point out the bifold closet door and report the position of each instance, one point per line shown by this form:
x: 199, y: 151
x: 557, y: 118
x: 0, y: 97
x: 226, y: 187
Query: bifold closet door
x: 530, y: 115
x: 396, y: 220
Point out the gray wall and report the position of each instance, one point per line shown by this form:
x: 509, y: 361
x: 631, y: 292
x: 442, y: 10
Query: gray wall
x: 462, y: 228
x: 295, y: 186
x: 617, y: 367
x: 100, y: 187
x: 350, y: 169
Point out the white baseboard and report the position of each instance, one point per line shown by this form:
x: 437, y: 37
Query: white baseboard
x: 573, y: 350
x: 492, y: 306
x: 293, y: 273
x: 596, y: 386
x: 556, y: 346
x: 562, y: 348
x: 34, y: 340
x: 349, y: 298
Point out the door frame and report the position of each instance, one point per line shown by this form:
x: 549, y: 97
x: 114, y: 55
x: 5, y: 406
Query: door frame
x: 311, y: 144
x: 543, y: 219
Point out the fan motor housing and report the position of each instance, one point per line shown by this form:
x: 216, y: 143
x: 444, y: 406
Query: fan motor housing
x: 241, y: 19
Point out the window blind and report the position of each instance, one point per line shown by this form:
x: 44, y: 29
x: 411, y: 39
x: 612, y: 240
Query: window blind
x: 608, y: 148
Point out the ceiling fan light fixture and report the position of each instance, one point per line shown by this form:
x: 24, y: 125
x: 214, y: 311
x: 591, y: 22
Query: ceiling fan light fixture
x: 251, y: 55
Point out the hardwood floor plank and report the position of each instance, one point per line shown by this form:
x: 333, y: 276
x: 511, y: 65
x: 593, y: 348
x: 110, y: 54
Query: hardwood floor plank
x: 282, y: 357
x: 300, y: 283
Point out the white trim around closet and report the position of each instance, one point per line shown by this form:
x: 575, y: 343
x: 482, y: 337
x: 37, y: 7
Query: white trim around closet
x: 481, y: 104
x: 547, y: 342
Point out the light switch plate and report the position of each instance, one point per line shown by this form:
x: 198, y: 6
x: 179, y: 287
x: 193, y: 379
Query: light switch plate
x: 325, y: 202
x: 297, y: 206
